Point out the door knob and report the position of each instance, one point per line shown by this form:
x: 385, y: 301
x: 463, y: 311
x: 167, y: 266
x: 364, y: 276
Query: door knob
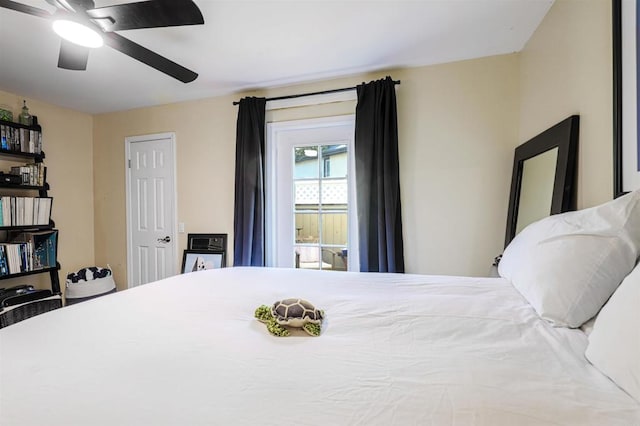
x: 166, y: 239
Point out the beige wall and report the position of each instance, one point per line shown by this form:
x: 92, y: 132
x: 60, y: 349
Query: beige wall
x: 67, y: 143
x: 566, y: 69
x: 457, y: 124
x: 205, y: 147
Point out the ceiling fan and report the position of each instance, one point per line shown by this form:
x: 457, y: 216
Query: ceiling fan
x: 99, y: 25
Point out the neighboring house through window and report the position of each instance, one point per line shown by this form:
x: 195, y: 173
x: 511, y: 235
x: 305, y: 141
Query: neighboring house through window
x: 326, y: 161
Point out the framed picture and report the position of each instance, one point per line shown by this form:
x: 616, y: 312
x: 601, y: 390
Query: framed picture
x: 198, y: 260
x: 207, y: 242
x: 626, y: 97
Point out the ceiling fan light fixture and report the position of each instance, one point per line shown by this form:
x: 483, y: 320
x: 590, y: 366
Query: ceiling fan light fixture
x: 77, y: 33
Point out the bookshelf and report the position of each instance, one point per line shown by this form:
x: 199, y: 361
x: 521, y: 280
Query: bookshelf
x: 28, y: 238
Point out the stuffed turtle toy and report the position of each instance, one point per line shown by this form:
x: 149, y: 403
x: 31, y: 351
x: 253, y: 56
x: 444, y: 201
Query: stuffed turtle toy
x: 291, y: 313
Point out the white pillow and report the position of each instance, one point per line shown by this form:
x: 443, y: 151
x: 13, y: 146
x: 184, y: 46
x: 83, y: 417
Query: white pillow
x: 568, y: 265
x: 614, y: 343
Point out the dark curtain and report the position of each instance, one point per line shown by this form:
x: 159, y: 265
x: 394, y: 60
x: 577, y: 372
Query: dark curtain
x: 377, y: 178
x: 248, y: 221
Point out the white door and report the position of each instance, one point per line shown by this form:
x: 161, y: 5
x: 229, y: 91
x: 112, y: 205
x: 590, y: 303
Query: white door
x: 151, y: 208
x: 311, y: 215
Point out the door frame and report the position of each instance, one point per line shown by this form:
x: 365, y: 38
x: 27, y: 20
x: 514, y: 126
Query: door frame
x: 272, y: 149
x: 128, y: 141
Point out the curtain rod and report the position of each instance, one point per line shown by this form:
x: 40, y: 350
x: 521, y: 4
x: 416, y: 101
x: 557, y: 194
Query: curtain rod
x: 323, y: 92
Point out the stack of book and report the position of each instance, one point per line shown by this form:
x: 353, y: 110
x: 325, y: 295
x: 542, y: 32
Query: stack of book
x: 25, y: 211
x: 28, y: 251
x: 32, y: 174
x: 20, y: 139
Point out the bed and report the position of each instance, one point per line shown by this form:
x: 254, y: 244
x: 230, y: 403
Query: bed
x: 395, y: 349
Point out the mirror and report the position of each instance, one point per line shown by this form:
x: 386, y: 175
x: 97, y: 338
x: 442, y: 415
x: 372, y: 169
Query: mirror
x: 543, y: 179
x: 536, y: 188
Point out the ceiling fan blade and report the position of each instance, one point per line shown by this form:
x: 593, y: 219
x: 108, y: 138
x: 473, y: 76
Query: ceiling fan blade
x: 148, y: 57
x: 19, y: 7
x: 72, y: 56
x: 72, y: 5
x: 147, y: 14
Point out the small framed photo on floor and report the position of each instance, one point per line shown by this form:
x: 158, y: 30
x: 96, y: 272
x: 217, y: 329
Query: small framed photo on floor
x: 199, y: 260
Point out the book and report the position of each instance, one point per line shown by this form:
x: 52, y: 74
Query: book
x: 25, y: 211
x: 3, y: 136
x: 44, y: 210
x: 44, y: 248
x: 31, y: 174
x: 24, y: 140
x: 37, y: 250
x: 13, y: 211
x: 12, y: 258
x: 4, y: 267
x: 28, y: 210
x: 19, y: 211
x: 35, y: 219
x: 32, y: 141
x: 15, y: 139
x: 6, y: 210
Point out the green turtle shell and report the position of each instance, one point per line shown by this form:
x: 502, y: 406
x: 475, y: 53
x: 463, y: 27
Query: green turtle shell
x: 296, y: 312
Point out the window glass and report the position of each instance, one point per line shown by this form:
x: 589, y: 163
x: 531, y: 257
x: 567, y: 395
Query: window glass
x: 320, y: 206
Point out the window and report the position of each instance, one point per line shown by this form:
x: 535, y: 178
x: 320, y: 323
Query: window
x: 326, y: 169
x: 311, y: 194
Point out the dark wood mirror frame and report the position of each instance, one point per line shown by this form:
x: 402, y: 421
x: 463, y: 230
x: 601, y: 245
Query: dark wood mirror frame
x: 564, y: 136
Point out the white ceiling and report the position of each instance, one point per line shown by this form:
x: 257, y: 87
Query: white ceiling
x: 258, y: 44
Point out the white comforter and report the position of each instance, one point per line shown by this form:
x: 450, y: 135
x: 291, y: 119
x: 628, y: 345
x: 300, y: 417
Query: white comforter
x: 395, y: 350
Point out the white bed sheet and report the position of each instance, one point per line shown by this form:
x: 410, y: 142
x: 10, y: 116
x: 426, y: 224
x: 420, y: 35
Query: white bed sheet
x: 395, y: 349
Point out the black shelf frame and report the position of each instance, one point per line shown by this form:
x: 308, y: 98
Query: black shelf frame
x: 53, y: 273
x: 18, y: 186
x: 34, y: 272
x: 48, y: 227
x: 42, y: 192
x: 19, y: 154
x: 21, y: 126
